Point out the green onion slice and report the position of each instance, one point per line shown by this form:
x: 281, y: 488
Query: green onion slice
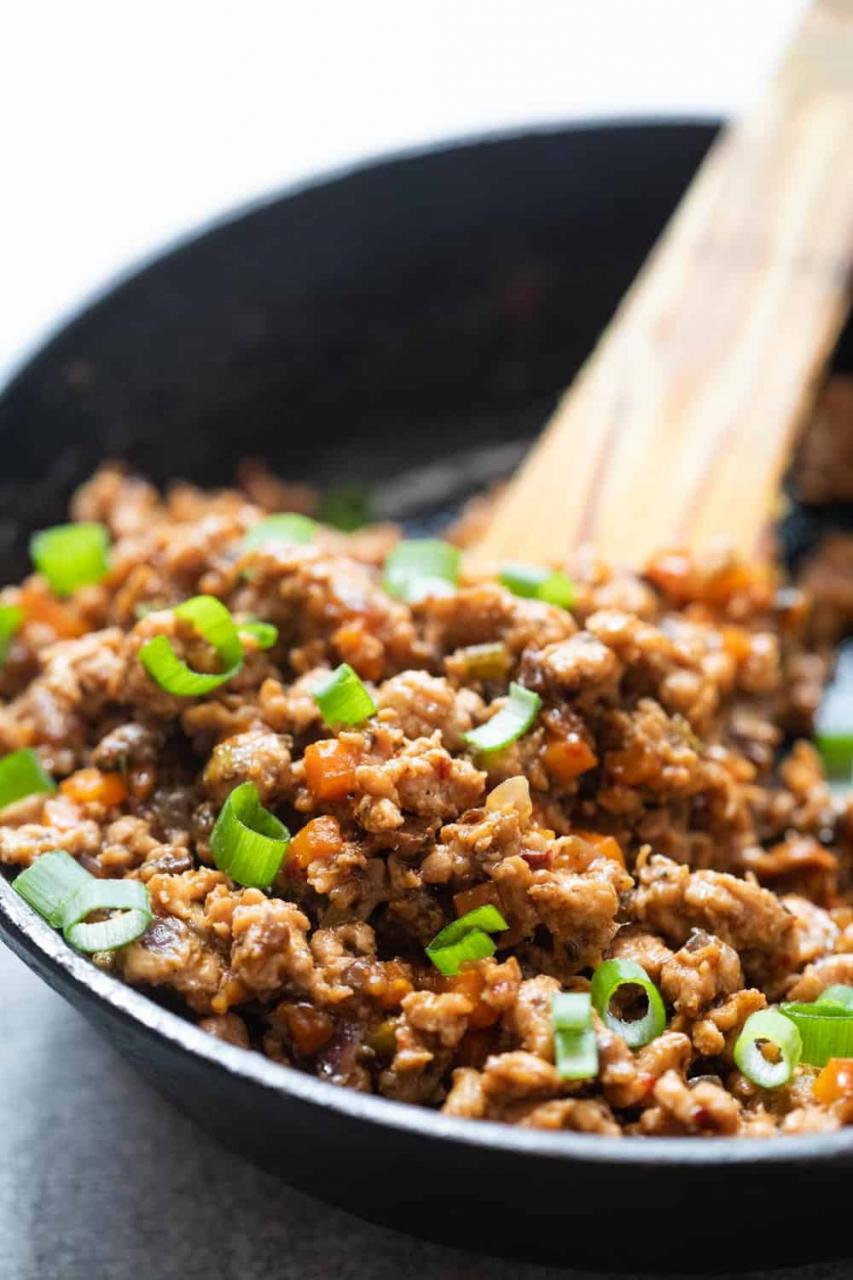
x: 264, y: 634
x: 342, y: 698
x: 575, y: 1048
x: 607, y: 980
x: 48, y: 884
x: 287, y: 528
x: 839, y: 995
x: 214, y: 624
x: 825, y: 1030
x: 466, y: 939
x: 836, y: 751
x: 128, y: 897
x: 71, y: 555
x: 514, y: 719
x: 346, y: 508
x: 248, y: 842
x: 537, y: 583
x: 777, y: 1030
x: 11, y: 617
x: 22, y: 774
x: 421, y: 567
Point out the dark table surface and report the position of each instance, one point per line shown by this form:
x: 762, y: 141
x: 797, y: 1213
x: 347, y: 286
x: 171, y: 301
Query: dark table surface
x: 101, y: 1180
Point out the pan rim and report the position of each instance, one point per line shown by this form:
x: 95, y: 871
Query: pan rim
x: 39, y: 946
x: 29, y: 936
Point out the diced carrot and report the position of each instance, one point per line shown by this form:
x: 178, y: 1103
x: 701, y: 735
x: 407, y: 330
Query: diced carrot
x: 231, y: 992
x: 330, y: 769
x: 738, y: 579
x: 673, y: 573
x: 91, y: 786
x: 363, y: 651
x: 737, y: 642
x: 469, y: 983
x: 835, y: 1081
x: 607, y: 846
x: 309, y: 1028
x: 479, y: 896
x: 567, y: 758
x: 319, y: 838
x: 389, y: 984
x: 39, y: 604
x: 632, y: 765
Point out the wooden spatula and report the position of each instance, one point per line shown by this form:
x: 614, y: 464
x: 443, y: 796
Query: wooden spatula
x: 679, y: 426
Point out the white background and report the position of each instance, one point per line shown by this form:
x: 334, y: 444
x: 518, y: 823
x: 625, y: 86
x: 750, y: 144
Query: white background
x: 125, y: 124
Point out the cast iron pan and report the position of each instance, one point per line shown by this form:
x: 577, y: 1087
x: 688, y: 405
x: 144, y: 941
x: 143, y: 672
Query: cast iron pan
x: 424, y: 309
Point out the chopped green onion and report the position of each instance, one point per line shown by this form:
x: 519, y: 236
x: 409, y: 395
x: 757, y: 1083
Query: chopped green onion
x: 71, y: 555
x: 607, y: 980
x: 342, y: 698
x: 514, y: 719
x: 490, y: 661
x: 264, y: 634
x: 825, y: 1029
x: 22, y: 774
x: 346, y: 508
x: 214, y: 624
x: 11, y: 617
x: 466, y: 939
x: 836, y: 751
x: 575, y: 1047
x: 248, y: 842
x: 834, y: 721
x: 536, y: 583
x: 48, y: 884
x: 129, y: 897
x: 772, y: 1028
x: 421, y: 567
x: 839, y: 994
x: 288, y: 528
x: 61, y: 891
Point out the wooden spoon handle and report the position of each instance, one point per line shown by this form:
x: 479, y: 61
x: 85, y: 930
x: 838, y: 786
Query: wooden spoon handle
x: 679, y: 426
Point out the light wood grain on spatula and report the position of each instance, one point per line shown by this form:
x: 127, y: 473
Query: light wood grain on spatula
x: 679, y: 427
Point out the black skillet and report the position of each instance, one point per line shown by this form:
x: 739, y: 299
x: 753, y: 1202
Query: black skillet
x: 415, y: 317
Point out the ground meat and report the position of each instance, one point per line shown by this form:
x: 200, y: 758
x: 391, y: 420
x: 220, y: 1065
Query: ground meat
x: 228, y: 1027
x: 258, y: 757
x: 704, y: 1108
x: 664, y: 806
x: 674, y: 901
x: 421, y: 704
x: 703, y: 969
x: 632, y: 942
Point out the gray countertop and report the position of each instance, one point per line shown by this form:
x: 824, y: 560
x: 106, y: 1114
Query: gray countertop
x: 101, y: 1180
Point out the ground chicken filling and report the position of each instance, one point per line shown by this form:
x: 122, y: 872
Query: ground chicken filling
x: 666, y: 807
